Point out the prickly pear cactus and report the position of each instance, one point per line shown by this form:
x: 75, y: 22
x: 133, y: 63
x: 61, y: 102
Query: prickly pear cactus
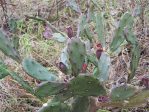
x: 49, y: 88
x: 126, y: 20
x: 3, y: 70
x: 74, y: 92
x: 36, y: 70
x: 76, y: 51
x: 7, y: 47
x: 21, y: 82
x: 122, y: 92
x: 81, y: 104
x: 86, y: 86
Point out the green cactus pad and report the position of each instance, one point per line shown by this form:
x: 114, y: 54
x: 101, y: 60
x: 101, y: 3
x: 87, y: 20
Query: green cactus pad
x: 3, y: 70
x: 7, y: 47
x: 64, y: 95
x: 76, y: 51
x: 81, y: 104
x: 138, y: 99
x: 135, y: 53
x: 135, y: 57
x: 96, y: 72
x: 21, y: 81
x: 86, y: 86
x: 100, y: 28
x: 104, y: 66
x: 122, y: 92
x: 36, y: 70
x: 126, y: 20
x: 49, y: 88
x: 92, y: 59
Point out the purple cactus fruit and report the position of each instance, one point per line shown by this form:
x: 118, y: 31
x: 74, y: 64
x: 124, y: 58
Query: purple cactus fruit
x: 98, y: 53
x: 62, y: 67
x: 99, y: 46
x: 145, y: 82
x: 69, y: 32
x: 84, y: 67
x: 103, y: 99
x: 47, y: 34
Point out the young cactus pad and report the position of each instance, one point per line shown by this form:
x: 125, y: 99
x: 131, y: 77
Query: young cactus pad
x: 76, y: 51
x: 86, y: 86
x: 36, y: 70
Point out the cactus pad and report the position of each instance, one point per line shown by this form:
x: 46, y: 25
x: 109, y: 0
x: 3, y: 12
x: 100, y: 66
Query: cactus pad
x: 3, y: 70
x: 122, y: 92
x: 49, y: 88
x: 34, y: 69
x: 76, y: 51
x: 7, y: 47
x: 86, y: 86
x: 81, y: 104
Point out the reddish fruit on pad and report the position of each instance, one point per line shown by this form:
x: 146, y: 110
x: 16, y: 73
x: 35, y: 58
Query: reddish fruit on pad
x: 99, y: 46
x: 145, y: 82
x: 62, y: 67
x: 84, y: 67
x: 103, y: 99
x: 98, y: 53
x: 69, y: 32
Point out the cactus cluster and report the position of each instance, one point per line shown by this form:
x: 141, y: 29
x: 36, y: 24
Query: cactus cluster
x: 82, y: 86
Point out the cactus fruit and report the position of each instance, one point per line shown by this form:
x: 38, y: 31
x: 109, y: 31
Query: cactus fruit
x: 76, y: 51
x: 99, y: 46
x: 7, y: 47
x: 62, y: 67
x: 103, y: 99
x: 34, y: 69
x: 84, y: 68
x: 69, y: 32
x: 145, y: 82
x: 86, y: 86
x: 99, y: 50
x: 98, y: 53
